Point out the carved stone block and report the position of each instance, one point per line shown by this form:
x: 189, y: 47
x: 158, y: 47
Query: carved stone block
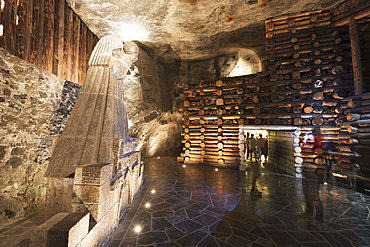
x: 94, y: 174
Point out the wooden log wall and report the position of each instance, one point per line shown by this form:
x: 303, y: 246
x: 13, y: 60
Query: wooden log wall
x: 350, y: 9
x: 354, y: 140
x: 48, y: 34
x: 308, y: 74
x: 313, y: 58
x: 282, y: 150
x: 364, y: 33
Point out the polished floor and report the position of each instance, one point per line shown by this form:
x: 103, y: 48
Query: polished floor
x: 201, y: 206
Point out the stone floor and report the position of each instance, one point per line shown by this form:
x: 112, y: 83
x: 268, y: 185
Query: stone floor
x: 199, y: 206
x: 13, y: 230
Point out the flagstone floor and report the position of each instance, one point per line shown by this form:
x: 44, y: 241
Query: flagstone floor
x: 199, y: 206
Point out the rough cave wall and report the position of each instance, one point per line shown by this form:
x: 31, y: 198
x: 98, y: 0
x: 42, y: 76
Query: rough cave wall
x: 151, y: 94
x: 29, y: 98
x: 219, y: 66
x: 35, y: 105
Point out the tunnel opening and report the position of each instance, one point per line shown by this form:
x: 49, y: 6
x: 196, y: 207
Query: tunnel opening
x: 247, y: 64
x: 283, y: 148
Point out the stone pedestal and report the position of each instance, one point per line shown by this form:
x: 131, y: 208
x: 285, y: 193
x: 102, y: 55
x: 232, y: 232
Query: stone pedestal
x: 59, y: 196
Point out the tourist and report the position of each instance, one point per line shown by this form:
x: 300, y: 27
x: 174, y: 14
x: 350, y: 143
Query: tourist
x: 252, y: 147
x: 261, y: 146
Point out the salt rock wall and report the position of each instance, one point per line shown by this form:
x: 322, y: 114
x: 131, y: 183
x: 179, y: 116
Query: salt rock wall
x: 28, y: 100
x: 220, y: 66
x: 151, y: 96
x: 154, y: 94
x: 35, y: 105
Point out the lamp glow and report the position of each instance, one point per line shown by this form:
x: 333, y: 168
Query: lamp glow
x: 153, y: 191
x: 339, y: 175
x: 131, y: 31
x: 147, y: 205
x: 137, y: 229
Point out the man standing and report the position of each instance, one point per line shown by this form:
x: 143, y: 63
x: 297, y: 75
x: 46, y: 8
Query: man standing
x: 261, y: 146
x: 247, y: 147
x: 252, y: 147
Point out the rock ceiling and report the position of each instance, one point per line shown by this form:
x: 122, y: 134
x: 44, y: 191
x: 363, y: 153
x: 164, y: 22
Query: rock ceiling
x: 193, y: 28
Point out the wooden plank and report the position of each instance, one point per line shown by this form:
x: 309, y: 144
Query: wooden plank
x: 20, y: 29
x: 356, y: 57
x: 37, y: 35
x: 28, y: 5
x: 75, y: 48
x: 48, y: 35
x: 59, y: 38
x: 299, y: 22
x: 67, y: 51
x: 2, y: 21
x: 300, y: 17
x: 322, y: 40
x: 34, y: 31
x: 309, y: 26
x: 358, y: 12
x: 9, y: 26
x: 82, y: 62
x: 40, y: 34
x: 291, y: 16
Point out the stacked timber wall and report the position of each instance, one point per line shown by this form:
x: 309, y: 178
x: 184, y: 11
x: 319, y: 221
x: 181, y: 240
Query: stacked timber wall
x: 308, y: 74
x: 353, y: 147
x: 283, y: 150
x: 311, y: 60
x: 364, y: 33
x: 48, y: 34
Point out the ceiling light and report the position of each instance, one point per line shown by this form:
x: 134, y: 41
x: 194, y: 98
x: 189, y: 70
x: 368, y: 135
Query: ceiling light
x: 137, y: 229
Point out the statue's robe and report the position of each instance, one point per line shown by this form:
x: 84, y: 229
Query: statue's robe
x: 97, y: 119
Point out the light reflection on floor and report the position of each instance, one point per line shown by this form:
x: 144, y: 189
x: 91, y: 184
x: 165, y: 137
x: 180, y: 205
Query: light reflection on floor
x: 199, y: 206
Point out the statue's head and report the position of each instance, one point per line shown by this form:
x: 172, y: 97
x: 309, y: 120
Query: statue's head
x: 106, y: 48
x: 132, y: 49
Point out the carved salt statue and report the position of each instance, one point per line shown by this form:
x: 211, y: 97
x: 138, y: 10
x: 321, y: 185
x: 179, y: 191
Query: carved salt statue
x: 99, y: 114
x: 98, y: 119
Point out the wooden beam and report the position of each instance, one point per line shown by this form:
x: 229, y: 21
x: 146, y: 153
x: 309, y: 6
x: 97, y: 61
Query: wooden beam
x: 34, y: 31
x: 2, y: 21
x: 28, y: 5
x: 75, y: 48
x: 356, y: 57
x: 359, y: 12
x: 59, y: 38
x: 49, y: 27
x: 68, y: 36
x: 40, y: 36
x: 20, y: 30
x: 10, y: 13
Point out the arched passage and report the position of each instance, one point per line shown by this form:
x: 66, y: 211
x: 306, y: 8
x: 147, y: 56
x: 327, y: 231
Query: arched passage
x: 248, y: 63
